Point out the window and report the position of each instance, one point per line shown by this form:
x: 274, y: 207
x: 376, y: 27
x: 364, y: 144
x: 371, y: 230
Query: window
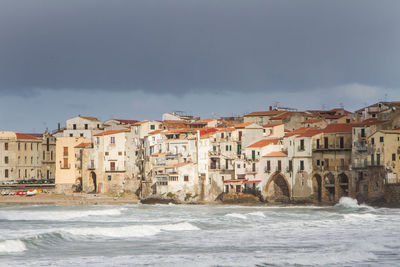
x: 6, y: 160
x: 326, y: 144
x: 318, y: 162
x: 112, y: 140
x: 378, y: 159
x: 318, y: 144
x: 81, y: 134
x: 98, y: 126
x: 106, y: 153
x: 373, y: 141
x: 5, y: 146
x: 279, y: 165
x: 109, y: 177
x: 362, y: 132
x: 31, y: 146
x: 253, y: 155
x: 240, y: 136
x: 227, y: 148
x: 341, y: 142
x: 268, y: 165
x: 186, y: 178
x: 381, y: 139
x: 71, y: 135
x: 112, y: 166
x: 65, y: 151
x: 6, y: 173
x: 301, y: 145
x: 26, y: 173
x: 47, y: 144
x: 290, y: 165
x: 301, y: 165
x: 74, y: 126
x: 31, y: 160
x: 44, y: 155
x: 25, y: 146
x: 119, y: 153
x: 347, y: 120
x: 222, y: 135
x: 230, y: 148
x: 65, y: 161
x: 51, y: 155
x: 393, y: 157
x: 238, y: 187
x: 19, y: 146
x: 86, y: 126
x: 152, y: 127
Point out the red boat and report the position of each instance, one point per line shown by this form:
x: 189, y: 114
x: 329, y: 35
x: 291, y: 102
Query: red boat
x: 21, y: 193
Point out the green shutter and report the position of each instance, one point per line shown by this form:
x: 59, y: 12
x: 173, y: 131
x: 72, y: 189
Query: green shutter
x: 253, y: 154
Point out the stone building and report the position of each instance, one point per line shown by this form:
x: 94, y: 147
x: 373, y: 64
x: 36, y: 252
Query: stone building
x: 331, y: 161
x: 82, y: 126
x: 68, y: 164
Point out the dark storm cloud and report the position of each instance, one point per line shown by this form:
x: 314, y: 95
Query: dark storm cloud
x: 175, y: 46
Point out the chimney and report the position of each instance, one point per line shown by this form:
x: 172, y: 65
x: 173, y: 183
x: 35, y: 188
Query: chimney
x: 59, y: 126
x: 270, y: 108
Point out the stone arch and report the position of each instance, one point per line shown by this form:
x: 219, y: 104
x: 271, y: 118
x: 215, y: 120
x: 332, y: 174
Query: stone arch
x: 317, y: 187
x: 329, y: 186
x: 278, y: 188
x: 343, y: 184
x: 93, y: 182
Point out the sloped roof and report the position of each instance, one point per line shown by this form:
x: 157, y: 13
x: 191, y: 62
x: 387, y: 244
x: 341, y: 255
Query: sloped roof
x: 300, y: 131
x: 276, y: 154
x: 271, y: 125
x: 263, y: 143
x: 264, y: 113
x: 83, y: 145
x: 21, y: 136
x: 243, y: 125
x: 112, y: 132
x: 203, y: 121
x: 90, y: 118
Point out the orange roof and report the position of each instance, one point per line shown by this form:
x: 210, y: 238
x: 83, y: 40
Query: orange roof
x: 242, y: 125
x: 276, y: 154
x: 155, y: 132
x: 371, y: 121
x: 203, y: 121
x: 21, y: 136
x: 264, y: 113
x: 140, y: 122
x: 228, y: 129
x: 271, y: 125
x: 83, y: 145
x: 112, y: 132
x: 157, y: 154
x: 283, y: 115
x: 310, y: 133
x: 339, y: 128
x: 181, y: 164
x: 90, y: 118
x: 185, y: 130
x: 263, y: 143
x: 300, y: 131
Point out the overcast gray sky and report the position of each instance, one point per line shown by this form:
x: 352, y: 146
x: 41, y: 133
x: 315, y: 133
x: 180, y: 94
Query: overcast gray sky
x: 136, y: 59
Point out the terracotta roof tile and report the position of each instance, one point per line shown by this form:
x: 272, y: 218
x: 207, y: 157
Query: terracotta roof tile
x: 271, y: 125
x: 21, y: 136
x: 276, y: 154
x: 90, y: 118
x: 112, y: 132
x: 263, y: 113
x: 83, y: 145
x: 263, y: 143
x: 243, y: 125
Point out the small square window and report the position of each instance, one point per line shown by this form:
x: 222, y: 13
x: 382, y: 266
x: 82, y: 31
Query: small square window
x: 186, y: 178
x: 109, y: 177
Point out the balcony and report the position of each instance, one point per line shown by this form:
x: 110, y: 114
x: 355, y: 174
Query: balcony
x: 171, y: 156
x: 214, y: 153
x: 359, y: 165
x: 62, y: 166
x: 331, y: 147
x: 251, y: 170
x: 300, y: 148
x: 267, y: 170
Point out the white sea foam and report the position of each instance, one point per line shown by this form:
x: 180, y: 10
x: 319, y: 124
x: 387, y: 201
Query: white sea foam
x: 347, y: 202
x: 257, y: 213
x: 131, y: 231
x: 57, y: 215
x: 236, y: 215
x: 12, y: 246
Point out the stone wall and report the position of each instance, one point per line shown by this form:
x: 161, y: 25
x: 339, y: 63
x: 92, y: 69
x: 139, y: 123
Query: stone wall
x: 392, y: 193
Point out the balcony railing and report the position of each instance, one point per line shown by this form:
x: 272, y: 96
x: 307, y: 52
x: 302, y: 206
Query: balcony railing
x: 214, y: 153
x: 62, y: 166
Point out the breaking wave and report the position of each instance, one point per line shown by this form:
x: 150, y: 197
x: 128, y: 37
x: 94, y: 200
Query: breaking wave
x: 236, y: 215
x: 351, y: 203
x: 12, y: 246
x: 131, y: 231
x: 257, y: 213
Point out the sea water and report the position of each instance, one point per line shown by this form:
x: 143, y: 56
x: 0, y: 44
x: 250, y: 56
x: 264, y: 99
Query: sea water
x: 346, y: 234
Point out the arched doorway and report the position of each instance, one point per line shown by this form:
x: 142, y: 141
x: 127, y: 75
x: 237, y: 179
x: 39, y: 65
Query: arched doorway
x: 329, y: 184
x: 278, y: 189
x: 343, y: 184
x: 93, y: 182
x: 317, y: 187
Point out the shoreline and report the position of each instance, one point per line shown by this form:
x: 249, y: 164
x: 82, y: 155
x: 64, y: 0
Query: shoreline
x: 100, y: 199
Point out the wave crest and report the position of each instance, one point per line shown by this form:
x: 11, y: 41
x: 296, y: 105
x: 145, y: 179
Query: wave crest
x: 12, y: 246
